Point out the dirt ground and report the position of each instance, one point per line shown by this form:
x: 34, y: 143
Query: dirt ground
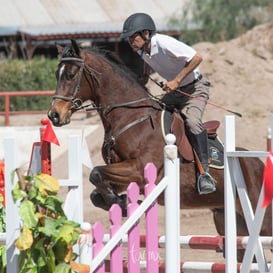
x: 241, y: 73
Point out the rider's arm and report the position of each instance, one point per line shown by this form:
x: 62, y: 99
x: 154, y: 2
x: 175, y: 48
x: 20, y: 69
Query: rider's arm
x: 185, y: 71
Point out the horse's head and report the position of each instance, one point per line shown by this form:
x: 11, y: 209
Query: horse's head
x: 96, y: 75
x: 72, y: 86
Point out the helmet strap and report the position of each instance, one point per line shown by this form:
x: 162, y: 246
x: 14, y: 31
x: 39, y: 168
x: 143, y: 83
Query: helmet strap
x: 146, y: 41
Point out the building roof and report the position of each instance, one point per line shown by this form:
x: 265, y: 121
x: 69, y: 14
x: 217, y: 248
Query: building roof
x: 43, y: 18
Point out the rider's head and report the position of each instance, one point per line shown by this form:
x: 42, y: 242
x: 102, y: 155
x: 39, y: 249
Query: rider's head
x: 138, y: 28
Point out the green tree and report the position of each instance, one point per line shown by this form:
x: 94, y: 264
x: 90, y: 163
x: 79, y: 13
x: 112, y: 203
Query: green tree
x: 218, y: 20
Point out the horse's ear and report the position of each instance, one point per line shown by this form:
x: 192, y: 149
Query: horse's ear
x: 59, y: 48
x: 75, y: 47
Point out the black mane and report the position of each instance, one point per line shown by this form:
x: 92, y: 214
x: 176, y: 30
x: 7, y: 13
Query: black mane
x: 110, y: 57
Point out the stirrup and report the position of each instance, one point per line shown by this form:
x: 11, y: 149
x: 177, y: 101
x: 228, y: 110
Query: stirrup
x: 205, y: 184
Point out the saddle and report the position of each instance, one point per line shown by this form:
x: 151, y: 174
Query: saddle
x: 172, y: 122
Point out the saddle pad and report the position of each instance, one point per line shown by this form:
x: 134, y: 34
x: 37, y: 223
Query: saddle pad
x: 216, y: 148
x: 216, y: 153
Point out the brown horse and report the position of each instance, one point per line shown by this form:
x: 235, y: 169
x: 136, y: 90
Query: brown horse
x: 133, y: 136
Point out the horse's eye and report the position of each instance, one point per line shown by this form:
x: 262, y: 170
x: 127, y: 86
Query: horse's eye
x: 71, y: 72
x: 70, y: 75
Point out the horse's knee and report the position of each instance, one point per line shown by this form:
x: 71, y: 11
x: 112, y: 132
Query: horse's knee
x: 95, y: 176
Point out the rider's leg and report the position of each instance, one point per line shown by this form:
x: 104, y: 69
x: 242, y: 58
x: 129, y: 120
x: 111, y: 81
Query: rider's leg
x: 205, y: 182
x: 193, y: 112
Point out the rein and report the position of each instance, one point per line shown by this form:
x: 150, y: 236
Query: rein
x: 78, y: 103
x: 113, y: 106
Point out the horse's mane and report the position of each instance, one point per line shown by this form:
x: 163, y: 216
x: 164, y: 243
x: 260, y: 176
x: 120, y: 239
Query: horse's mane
x: 110, y: 57
x: 119, y: 65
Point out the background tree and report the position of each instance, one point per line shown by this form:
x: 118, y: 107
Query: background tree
x: 218, y: 20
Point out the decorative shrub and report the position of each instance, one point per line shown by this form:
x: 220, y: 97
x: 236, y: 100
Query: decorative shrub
x: 46, y: 236
x: 31, y: 75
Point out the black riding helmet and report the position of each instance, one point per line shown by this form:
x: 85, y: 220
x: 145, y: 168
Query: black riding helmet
x: 137, y: 22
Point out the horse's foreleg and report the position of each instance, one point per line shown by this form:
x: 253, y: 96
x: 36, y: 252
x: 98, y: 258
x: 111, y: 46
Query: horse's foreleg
x: 112, y: 179
x: 104, y: 196
x: 219, y: 221
x: 98, y: 200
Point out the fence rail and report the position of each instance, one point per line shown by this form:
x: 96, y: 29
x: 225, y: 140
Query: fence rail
x: 7, y: 94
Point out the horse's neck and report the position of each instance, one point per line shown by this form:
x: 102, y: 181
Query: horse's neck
x: 115, y: 87
x: 107, y: 123
x: 118, y: 91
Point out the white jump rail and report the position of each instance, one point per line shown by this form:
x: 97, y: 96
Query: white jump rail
x: 234, y: 180
x: 73, y: 205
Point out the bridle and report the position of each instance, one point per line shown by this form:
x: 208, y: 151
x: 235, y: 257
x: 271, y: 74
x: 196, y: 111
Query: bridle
x: 77, y: 103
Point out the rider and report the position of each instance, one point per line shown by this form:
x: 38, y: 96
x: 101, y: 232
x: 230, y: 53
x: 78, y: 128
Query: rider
x: 178, y: 64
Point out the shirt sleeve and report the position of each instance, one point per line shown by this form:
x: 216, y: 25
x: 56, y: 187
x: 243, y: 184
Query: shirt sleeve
x: 176, y: 49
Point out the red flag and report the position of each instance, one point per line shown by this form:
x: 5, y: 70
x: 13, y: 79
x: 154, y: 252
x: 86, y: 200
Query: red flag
x: 49, y: 134
x: 268, y: 180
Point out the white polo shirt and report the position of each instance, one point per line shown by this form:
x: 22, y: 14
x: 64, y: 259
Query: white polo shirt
x: 168, y: 56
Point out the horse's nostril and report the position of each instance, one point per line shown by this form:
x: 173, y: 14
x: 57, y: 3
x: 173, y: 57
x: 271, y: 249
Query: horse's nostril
x: 54, y: 117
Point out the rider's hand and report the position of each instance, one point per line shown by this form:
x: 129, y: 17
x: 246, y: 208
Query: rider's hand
x: 170, y: 86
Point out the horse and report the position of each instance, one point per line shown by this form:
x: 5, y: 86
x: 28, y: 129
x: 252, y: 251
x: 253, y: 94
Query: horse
x: 131, y: 117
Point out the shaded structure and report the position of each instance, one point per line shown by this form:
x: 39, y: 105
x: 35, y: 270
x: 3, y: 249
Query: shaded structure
x: 33, y: 27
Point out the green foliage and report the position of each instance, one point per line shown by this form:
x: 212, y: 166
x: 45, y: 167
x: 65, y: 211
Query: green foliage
x: 3, y: 258
x: 46, y: 237
x: 2, y: 215
x: 21, y: 75
x: 218, y: 20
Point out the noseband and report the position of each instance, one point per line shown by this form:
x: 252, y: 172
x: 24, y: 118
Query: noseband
x: 77, y: 102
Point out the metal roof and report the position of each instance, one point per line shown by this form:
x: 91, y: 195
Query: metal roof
x: 55, y: 17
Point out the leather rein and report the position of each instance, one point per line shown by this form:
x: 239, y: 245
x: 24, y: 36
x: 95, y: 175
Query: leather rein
x: 77, y: 103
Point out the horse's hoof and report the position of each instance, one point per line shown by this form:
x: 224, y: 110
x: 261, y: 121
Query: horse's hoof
x: 122, y: 201
x: 98, y: 201
x: 123, y: 204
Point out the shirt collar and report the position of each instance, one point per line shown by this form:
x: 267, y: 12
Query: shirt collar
x: 154, y: 47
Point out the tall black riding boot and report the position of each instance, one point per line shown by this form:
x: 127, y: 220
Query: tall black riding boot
x: 205, y: 182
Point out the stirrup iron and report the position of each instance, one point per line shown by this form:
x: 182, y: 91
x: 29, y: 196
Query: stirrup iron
x: 205, y: 184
